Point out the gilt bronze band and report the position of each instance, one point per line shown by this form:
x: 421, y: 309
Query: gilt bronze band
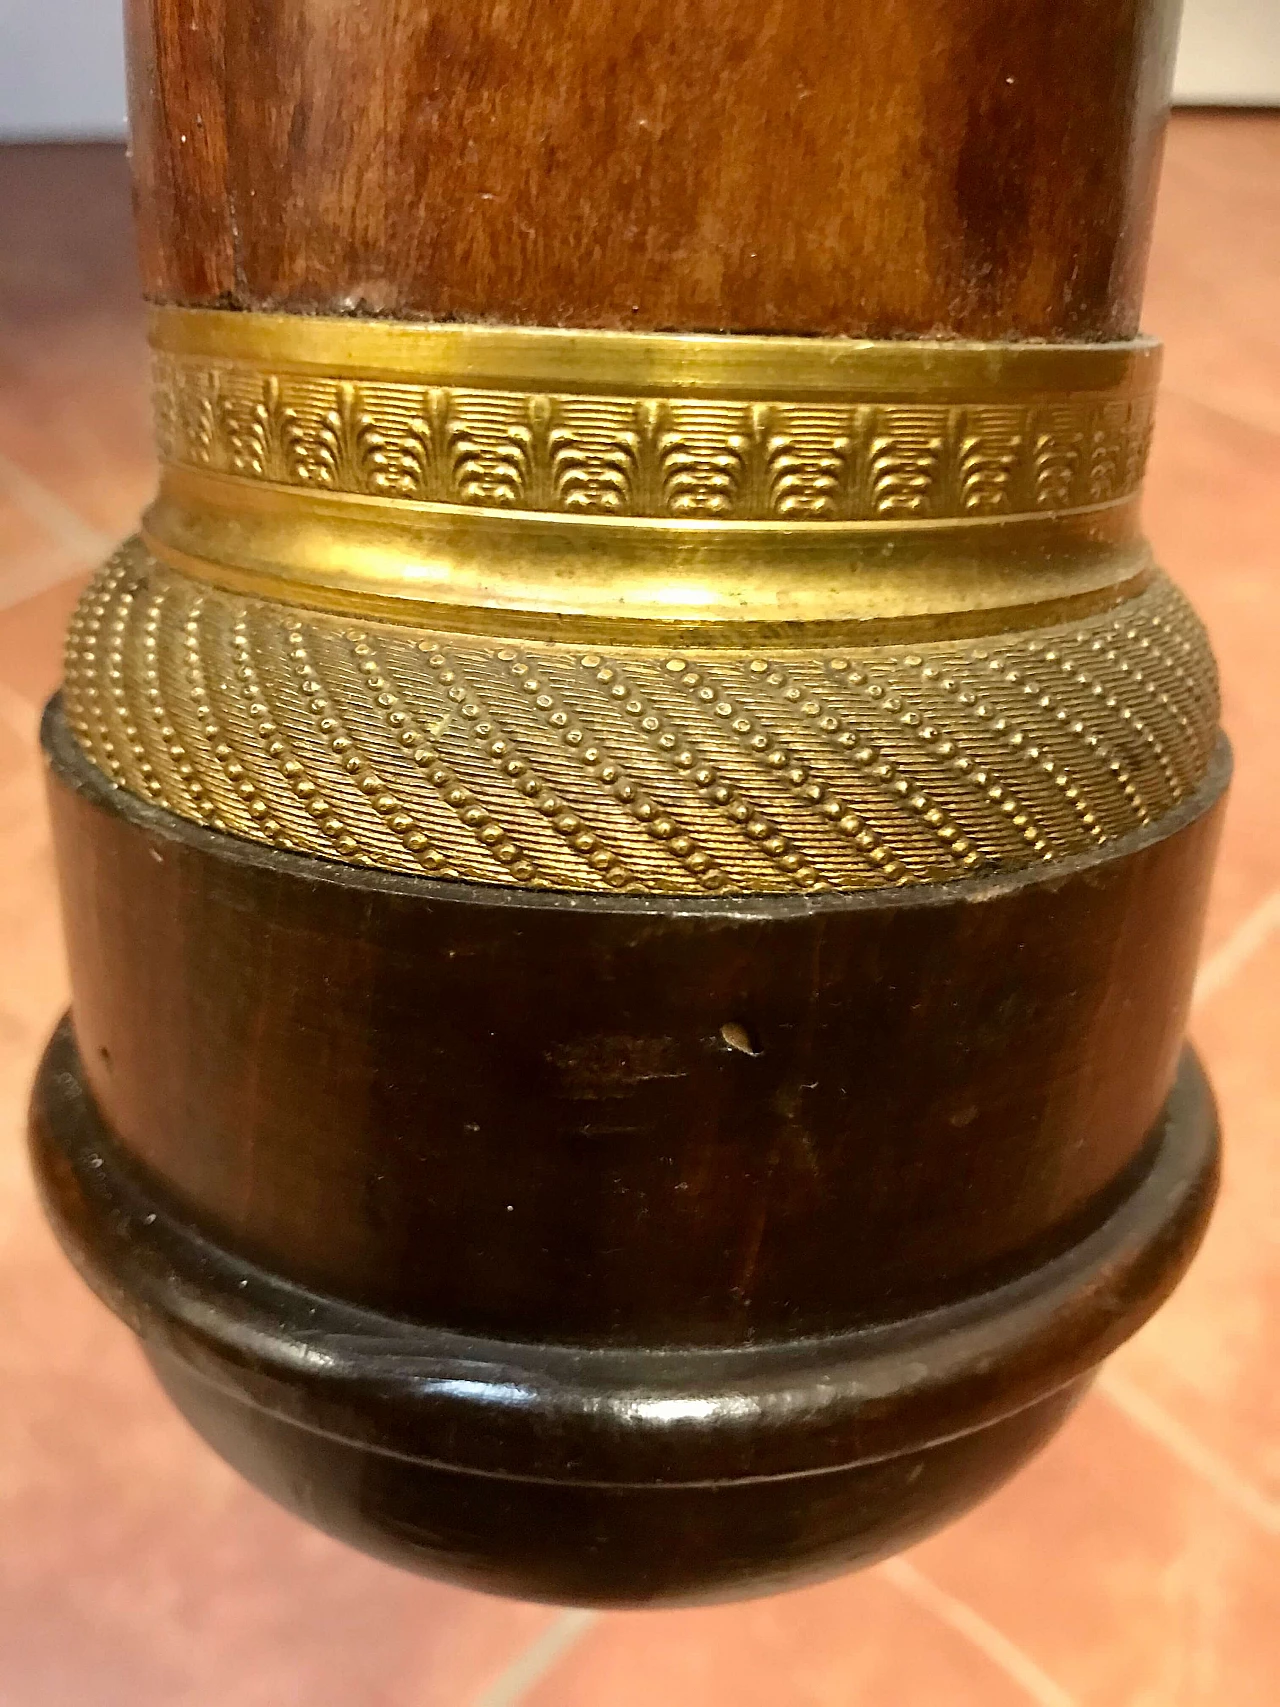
x: 508, y: 475
x: 640, y: 612
x: 702, y: 770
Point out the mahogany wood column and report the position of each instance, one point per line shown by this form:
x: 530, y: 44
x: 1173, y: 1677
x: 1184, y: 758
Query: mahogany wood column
x: 634, y: 823
x: 909, y: 168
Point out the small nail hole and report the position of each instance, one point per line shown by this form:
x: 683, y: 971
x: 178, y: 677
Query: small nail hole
x: 739, y: 1038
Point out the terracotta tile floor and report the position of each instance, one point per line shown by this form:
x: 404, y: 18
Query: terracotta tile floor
x: 1133, y: 1565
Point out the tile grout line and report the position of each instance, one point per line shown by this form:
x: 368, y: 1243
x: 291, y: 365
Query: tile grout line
x: 19, y: 714
x: 1248, y: 938
x: 29, y: 581
x: 533, y: 1663
x: 959, y: 1616
x: 1226, y: 411
x: 1150, y: 1416
x: 50, y: 512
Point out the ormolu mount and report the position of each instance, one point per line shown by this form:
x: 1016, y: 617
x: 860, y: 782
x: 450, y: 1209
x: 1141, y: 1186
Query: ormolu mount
x: 632, y: 891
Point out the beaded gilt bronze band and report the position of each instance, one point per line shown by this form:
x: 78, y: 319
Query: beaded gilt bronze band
x: 644, y: 612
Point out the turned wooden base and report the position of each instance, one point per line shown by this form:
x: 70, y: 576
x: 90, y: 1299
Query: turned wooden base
x: 616, y: 1250
x: 629, y: 1476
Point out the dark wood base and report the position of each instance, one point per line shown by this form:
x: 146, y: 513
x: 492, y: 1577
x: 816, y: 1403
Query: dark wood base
x: 621, y: 1250
x: 641, y: 1546
x: 652, y: 1476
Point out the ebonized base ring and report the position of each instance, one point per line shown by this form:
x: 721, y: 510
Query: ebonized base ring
x: 613, y: 1475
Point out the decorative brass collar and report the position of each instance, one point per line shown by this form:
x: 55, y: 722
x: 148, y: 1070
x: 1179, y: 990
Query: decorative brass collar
x: 683, y: 615
x: 506, y: 476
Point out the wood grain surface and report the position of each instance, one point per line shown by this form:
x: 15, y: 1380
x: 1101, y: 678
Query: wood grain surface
x: 619, y: 1119
x: 607, y: 1250
x: 1134, y: 1557
x: 984, y: 168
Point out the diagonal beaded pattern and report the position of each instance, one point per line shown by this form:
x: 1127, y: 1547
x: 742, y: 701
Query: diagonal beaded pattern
x: 639, y: 768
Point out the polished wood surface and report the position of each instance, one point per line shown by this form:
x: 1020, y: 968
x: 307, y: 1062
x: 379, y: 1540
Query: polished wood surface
x: 499, y: 1236
x: 614, y: 1120
x: 1132, y: 1557
x: 631, y: 1250
x: 884, y: 168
